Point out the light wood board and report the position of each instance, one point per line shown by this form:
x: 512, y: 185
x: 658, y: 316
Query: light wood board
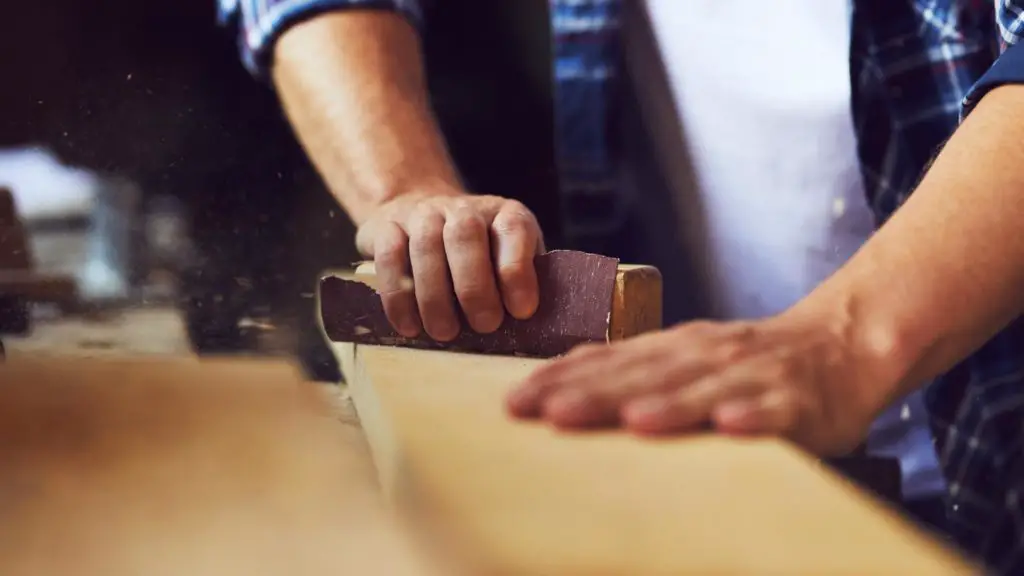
x: 521, y: 499
x: 122, y: 467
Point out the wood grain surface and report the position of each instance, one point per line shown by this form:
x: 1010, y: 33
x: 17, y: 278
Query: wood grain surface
x: 521, y: 499
x: 124, y: 467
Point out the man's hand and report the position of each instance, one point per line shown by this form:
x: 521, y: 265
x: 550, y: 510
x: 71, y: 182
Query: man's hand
x: 774, y: 377
x: 428, y: 247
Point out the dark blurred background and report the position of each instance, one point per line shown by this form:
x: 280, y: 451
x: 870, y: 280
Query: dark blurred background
x: 154, y: 93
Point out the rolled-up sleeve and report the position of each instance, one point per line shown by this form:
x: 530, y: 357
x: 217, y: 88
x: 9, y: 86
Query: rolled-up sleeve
x: 1009, y: 67
x: 260, y: 22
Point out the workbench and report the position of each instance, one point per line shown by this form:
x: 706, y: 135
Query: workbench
x: 130, y: 456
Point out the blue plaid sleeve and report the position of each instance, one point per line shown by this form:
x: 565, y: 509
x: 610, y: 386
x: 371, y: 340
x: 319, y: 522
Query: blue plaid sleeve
x: 1009, y: 67
x: 261, y: 22
x: 1010, y: 17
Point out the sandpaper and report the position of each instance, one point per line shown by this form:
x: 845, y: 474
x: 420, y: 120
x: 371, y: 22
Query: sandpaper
x: 575, y: 306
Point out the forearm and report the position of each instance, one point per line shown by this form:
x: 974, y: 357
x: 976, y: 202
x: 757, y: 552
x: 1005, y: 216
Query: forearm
x: 946, y: 272
x: 352, y: 85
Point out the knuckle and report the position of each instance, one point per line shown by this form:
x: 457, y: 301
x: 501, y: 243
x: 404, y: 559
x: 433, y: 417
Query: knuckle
x: 390, y: 259
x: 465, y: 226
x: 422, y: 212
x: 423, y: 244
x: 702, y: 326
x: 463, y: 205
x: 390, y: 249
x: 743, y: 331
x: 514, y: 221
x: 474, y: 295
x: 515, y: 206
x: 425, y: 233
x: 695, y: 328
x: 396, y: 302
x: 508, y: 271
x: 730, y: 351
x: 779, y: 372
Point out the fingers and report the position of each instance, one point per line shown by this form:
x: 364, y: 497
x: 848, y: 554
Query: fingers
x: 366, y: 239
x: 576, y: 391
x: 431, y: 282
x: 517, y: 239
x: 395, y: 285
x: 611, y: 375
x: 467, y: 245
x: 653, y: 385
x: 470, y: 253
x: 736, y: 403
x: 685, y: 409
x: 528, y: 400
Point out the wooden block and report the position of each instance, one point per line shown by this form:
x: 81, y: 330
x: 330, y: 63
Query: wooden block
x: 519, y: 498
x: 170, y: 467
x: 636, y: 302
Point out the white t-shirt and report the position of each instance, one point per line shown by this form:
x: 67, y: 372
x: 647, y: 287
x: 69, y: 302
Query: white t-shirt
x: 763, y: 93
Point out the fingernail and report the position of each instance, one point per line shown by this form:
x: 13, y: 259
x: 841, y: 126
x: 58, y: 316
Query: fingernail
x: 521, y: 303
x: 409, y: 329
x: 524, y: 401
x: 523, y: 394
x: 487, y: 321
x: 447, y: 331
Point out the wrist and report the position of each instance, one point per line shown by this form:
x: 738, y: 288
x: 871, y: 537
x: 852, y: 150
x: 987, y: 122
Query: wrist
x: 876, y: 356
x: 376, y: 197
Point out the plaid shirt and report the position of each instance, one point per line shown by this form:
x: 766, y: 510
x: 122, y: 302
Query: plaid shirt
x: 915, y: 66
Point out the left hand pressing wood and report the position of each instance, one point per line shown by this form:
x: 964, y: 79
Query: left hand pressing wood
x: 783, y: 376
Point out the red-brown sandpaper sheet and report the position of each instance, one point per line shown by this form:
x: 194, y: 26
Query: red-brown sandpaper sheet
x: 575, y: 307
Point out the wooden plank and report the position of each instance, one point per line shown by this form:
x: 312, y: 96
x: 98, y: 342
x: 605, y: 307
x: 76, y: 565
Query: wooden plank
x: 169, y: 467
x: 523, y: 499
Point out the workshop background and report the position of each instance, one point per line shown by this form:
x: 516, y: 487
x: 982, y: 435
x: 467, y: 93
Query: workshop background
x: 149, y: 164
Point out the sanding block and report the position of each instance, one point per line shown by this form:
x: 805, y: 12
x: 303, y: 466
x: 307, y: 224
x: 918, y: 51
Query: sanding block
x: 583, y: 298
